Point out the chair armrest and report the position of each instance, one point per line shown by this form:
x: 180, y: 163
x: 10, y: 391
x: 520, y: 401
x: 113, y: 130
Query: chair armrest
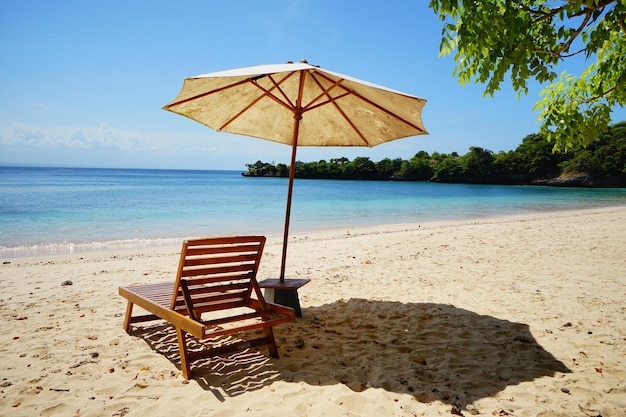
x: 280, y: 309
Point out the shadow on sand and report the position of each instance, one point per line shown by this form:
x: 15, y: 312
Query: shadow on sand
x: 430, y: 351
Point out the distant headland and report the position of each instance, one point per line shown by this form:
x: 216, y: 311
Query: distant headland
x: 601, y: 164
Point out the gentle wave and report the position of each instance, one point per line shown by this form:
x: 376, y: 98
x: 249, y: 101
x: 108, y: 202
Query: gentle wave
x: 69, y: 248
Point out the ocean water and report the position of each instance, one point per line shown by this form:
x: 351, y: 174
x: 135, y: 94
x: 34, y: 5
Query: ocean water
x: 71, y: 210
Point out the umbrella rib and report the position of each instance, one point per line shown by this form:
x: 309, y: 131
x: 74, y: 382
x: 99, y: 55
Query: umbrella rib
x: 277, y: 85
x: 370, y: 102
x: 236, y: 116
x: 390, y: 113
x: 325, y: 91
x: 266, y: 93
x: 207, y: 93
x: 332, y: 101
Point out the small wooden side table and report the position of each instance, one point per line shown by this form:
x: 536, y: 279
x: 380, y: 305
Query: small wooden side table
x: 284, y: 293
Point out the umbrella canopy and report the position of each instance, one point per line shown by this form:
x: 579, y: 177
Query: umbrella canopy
x: 300, y: 105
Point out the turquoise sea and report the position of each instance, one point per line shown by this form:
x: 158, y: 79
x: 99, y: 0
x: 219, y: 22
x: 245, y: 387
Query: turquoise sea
x: 71, y: 210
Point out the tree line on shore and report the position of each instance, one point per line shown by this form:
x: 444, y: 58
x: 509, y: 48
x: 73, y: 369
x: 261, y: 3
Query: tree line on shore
x: 601, y: 164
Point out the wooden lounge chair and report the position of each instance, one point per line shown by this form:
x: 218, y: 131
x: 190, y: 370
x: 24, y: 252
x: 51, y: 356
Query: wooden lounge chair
x: 211, y: 297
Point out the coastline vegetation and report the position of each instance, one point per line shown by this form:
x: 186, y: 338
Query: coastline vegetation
x: 533, y: 162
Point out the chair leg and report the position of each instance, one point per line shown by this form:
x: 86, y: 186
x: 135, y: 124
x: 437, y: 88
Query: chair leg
x: 182, y: 348
x: 273, y: 350
x: 128, y: 317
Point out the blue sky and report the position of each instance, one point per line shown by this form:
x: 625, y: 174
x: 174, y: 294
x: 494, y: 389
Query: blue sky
x: 83, y: 83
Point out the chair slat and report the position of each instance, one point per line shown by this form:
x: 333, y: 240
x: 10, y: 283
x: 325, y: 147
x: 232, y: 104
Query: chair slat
x: 224, y: 305
x: 217, y: 271
x: 249, y: 259
x: 194, y: 290
x: 209, y: 250
x: 230, y: 240
x: 214, y: 297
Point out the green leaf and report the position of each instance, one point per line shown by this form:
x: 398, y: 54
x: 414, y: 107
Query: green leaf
x: 497, y: 39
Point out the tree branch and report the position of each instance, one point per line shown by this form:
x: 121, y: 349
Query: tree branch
x: 541, y: 14
x: 557, y: 54
x: 589, y: 100
x: 587, y: 11
x: 573, y: 36
x: 622, y: 24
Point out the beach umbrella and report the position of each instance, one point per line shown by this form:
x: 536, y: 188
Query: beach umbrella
x: 299, y: 104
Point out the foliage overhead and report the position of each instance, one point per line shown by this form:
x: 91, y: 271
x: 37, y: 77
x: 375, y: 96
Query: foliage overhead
x: 527, y: 39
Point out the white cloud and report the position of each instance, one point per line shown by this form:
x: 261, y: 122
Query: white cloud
x: 102, y: 136
x: 105, y: 146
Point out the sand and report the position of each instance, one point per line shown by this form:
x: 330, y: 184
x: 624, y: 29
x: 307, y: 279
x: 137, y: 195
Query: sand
x: 519, y: 316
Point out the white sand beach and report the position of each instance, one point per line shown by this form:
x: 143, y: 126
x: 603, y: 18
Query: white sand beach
x: 516, y: 316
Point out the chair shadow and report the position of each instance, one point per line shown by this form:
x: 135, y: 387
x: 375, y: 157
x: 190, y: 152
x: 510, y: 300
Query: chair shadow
x: 431, y: 351
x: 233, y: 375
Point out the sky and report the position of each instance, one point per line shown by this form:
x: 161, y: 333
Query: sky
x: 82, y: 84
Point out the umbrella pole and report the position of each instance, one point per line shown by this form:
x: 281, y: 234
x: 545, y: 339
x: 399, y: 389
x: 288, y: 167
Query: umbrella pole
x: 292, y: 173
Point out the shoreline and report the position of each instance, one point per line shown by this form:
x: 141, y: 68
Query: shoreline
x: 126, y: 245
x: 520, y: 315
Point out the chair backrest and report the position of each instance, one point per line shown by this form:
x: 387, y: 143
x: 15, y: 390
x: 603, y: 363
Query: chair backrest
x: 220, y: 273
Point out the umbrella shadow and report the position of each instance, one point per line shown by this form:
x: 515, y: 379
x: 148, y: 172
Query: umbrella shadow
x: 431, y: 351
